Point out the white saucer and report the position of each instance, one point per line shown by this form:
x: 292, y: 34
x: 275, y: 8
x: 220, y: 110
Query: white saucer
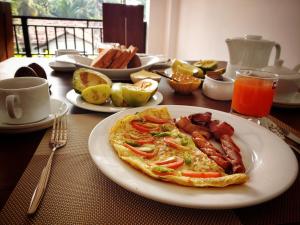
x: 57, y: 107
x: 62, y: 67
x: 288, y: 101
x: 76, y: 100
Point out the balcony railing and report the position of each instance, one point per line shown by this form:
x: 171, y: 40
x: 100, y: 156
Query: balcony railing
x: 43, y: 35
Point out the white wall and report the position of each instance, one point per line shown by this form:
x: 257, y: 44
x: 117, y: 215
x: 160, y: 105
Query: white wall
x: 156, y: 30
x: 197, y: 29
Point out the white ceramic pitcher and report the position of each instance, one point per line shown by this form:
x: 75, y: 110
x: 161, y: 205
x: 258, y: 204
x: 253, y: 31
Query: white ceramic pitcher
x: 249, y: 52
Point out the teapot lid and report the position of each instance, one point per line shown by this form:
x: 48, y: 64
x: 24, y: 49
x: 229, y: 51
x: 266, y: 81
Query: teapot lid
x: 250, y: 38
x: 278, y: 68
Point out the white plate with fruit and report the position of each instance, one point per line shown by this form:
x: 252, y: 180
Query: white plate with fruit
x: 96, y: 92
x: 108, y: 106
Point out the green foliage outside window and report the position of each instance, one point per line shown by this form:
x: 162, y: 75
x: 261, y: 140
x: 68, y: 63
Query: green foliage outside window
x: 81, y: 9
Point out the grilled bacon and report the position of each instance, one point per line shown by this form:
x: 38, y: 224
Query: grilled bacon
x: 219, y: 129
x: 202, y: 119
x: 212, y: 152
x: 223, y: 132
x: 186, y: 125
x: 202, y: 128
x: 232, y: 153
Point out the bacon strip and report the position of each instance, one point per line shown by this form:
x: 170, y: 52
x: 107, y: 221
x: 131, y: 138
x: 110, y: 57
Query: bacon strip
x: 215, y: 154
x: 223, y: 132
x: 200, y: 136
x: 186, y: 125
x: 200, y: 118
x: 219, y: 129
x: 228, y: 157
x: 233, y: 154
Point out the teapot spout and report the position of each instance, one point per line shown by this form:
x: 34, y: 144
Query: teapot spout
x: 227, y: 40
x: 297, y: 68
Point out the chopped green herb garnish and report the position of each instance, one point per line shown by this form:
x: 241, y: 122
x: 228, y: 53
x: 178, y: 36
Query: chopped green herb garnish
x: 184, y: 141
x: 132, y: 143
x: 162, y: 169
x: 187, y: 158
x: 166, y: 127
x: 161, y: 134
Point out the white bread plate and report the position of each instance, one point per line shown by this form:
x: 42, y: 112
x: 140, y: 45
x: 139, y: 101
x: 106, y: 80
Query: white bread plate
x: 114, y: 74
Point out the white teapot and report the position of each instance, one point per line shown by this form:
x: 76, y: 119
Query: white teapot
x: 289, y: 79
x: 249, y: 52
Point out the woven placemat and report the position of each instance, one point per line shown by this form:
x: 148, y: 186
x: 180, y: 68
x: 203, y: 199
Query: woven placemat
x: 78, y: 193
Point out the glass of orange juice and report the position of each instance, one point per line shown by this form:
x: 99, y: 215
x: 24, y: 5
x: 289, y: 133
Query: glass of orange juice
x: 253, y: 93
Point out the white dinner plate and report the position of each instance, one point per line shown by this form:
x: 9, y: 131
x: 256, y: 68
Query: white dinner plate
x: 76, y: 100
x: 114, y: 74
x: 270, y: 164
x: 62, y: 67
x: 57, y: 107
x: 288, y: 101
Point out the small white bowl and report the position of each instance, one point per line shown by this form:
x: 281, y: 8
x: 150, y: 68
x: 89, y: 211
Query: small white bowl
x: 216, y: 89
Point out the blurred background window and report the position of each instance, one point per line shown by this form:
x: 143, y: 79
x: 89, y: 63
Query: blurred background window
x: 42, y: 26
x: 79, y: 9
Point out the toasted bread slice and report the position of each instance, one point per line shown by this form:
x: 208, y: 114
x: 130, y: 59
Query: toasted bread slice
x: 100, y: 50
x: 123, y: 47
x: 117, y: 55
x: 119, y: 61
x: 132, y: 51
x: 97, y: 62
x: 104, y: 58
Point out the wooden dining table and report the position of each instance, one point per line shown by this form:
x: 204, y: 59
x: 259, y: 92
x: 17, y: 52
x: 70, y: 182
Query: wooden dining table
x: 86, y: 196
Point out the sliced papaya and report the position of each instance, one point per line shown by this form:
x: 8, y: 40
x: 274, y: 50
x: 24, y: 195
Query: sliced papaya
x: 97, y: 94
x: 148, y: 85
x: 117, y: 95
x: 83, y: 78
x: 135, y: 96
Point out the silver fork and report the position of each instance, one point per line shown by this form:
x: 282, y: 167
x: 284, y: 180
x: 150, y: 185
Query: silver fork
x: 58, y: 140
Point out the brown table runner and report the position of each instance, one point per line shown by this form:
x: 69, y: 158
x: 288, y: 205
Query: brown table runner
x: 78, y: 193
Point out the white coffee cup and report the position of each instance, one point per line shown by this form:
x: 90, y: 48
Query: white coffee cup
x: 24, y: 100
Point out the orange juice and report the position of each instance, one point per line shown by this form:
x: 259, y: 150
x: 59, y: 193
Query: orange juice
x: 253, y: 96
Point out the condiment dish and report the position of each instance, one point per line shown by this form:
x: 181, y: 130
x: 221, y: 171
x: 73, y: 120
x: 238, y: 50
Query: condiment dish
x: 218, y: 89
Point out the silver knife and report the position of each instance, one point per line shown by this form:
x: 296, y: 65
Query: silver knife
x: 294, y: 148
x: 291, y: 139
x: 290, y: 136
